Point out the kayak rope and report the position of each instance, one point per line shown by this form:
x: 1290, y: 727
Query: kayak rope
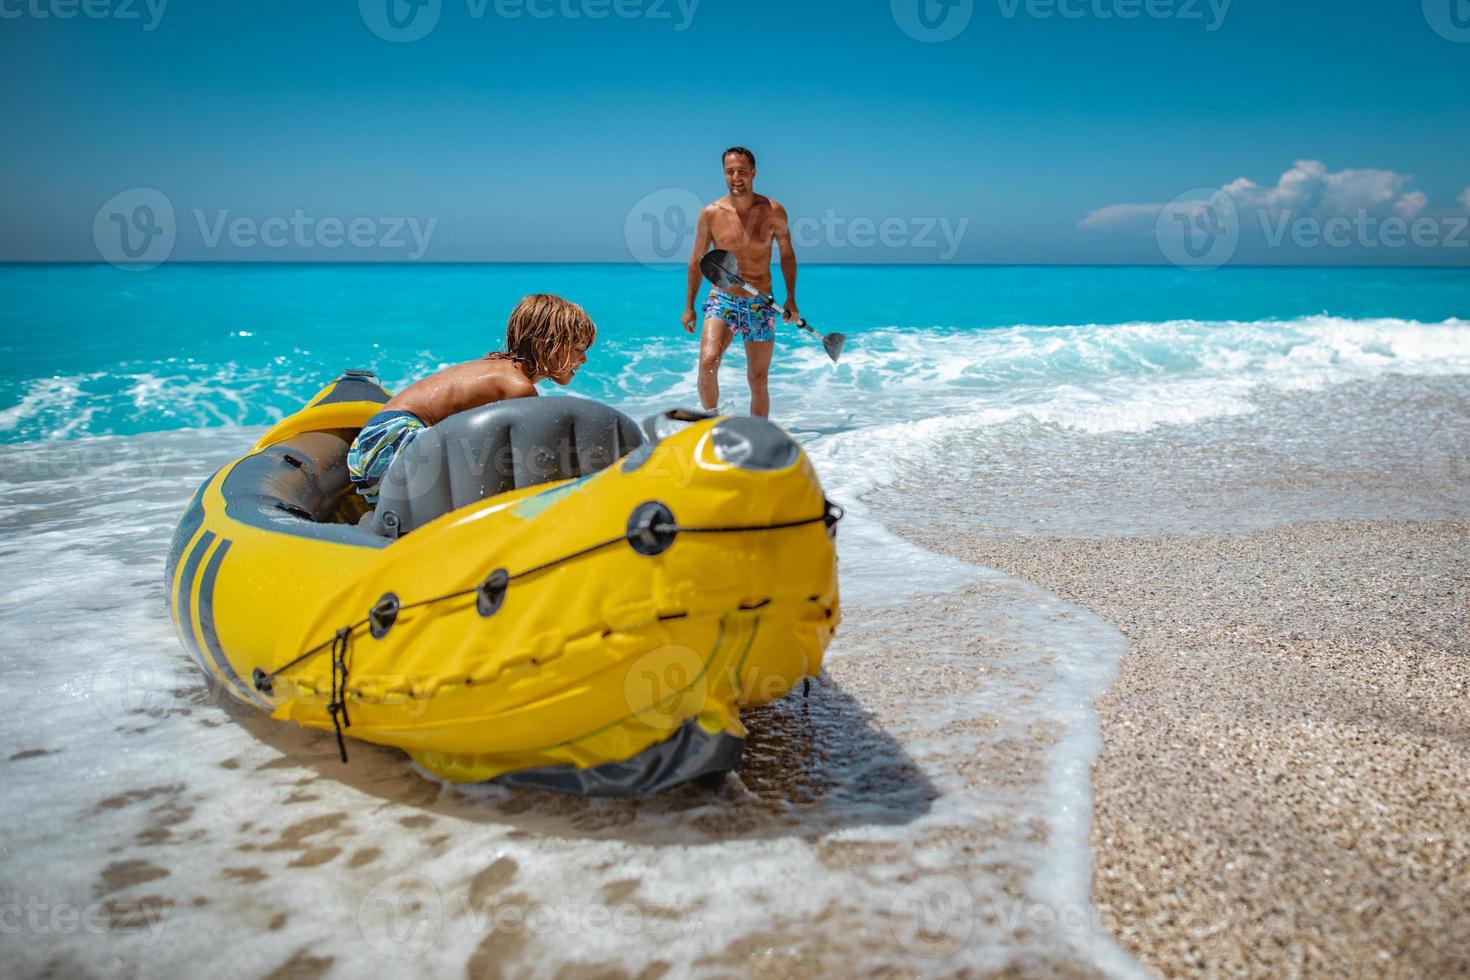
x: 337, y: 706
x: 650, y: 536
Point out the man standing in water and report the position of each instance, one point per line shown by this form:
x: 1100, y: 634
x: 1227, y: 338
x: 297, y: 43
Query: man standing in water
x: 743, y: 223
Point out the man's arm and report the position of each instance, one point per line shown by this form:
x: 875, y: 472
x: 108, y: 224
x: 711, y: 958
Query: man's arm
x: 781, y: 231
x: 701, y: 245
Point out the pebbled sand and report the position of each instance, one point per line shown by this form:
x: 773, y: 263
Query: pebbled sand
x: 1284, y: 785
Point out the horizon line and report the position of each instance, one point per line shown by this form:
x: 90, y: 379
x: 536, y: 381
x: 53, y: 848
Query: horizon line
x: 21, y: 263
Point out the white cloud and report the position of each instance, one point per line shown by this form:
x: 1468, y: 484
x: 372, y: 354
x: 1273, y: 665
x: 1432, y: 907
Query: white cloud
x: 1465, y: 199
x: 1308, y: 189
x: 1116, y: 216
x: 1411, y: 204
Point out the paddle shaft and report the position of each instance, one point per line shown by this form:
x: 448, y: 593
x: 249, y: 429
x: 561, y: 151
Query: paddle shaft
x: 721, y: 268
x: 768, y: 298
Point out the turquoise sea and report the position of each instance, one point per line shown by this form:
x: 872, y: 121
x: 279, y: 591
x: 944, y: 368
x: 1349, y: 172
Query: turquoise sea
x: 94, y: 350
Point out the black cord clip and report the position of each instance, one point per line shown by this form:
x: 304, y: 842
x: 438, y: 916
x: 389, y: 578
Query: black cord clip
x: 490, y: 596
x: 834, y: 515
x: 383, y: 615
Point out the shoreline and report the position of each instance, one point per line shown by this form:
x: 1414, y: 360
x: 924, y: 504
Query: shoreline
x: 1286, y: 748
x: 1270, y: 790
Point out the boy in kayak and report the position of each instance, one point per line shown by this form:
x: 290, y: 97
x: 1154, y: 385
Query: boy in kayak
x: 546, y: 338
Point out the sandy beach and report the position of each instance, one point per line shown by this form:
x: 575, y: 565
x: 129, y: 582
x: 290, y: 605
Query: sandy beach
x: 1286, y: 749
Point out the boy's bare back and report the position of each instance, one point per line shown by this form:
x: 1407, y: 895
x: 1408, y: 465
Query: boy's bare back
x: 462, y: 387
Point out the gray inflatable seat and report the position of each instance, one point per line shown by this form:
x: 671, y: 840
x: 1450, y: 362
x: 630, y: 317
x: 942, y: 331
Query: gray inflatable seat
x: 495, y: 449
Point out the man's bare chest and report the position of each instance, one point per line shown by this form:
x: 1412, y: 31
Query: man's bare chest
x: 732, y: 230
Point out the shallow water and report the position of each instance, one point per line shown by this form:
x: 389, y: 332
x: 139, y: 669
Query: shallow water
x: 925, y: 809
x: 871, y: 808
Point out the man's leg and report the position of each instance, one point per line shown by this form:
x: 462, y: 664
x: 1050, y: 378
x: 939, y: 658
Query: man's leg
x: 757, y: 369
x: 712, y: 347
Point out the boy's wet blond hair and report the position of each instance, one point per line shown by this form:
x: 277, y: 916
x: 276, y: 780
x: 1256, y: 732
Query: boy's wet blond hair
x: 545, y: 334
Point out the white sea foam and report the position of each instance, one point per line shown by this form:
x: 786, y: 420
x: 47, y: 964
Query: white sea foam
x: 103, y: 686
x: 1095, y: 377
x: 57, y: 396
x: 85, y: 524
x: 1108, y: 376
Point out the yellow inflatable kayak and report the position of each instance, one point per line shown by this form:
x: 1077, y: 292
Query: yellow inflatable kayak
x: 542, y: 596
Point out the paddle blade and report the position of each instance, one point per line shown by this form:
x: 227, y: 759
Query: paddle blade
x: 834, y: 343
x: 722, y: 269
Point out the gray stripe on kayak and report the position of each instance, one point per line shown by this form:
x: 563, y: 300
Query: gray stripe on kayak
x: 211, y: 637
x: 189, y: 525
x: 350, y: 389
x: 183, y: 607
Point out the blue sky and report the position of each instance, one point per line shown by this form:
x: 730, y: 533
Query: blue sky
x: 541, y: 138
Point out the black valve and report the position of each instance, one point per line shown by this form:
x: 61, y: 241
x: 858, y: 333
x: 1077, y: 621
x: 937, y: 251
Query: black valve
x: 651, y: 528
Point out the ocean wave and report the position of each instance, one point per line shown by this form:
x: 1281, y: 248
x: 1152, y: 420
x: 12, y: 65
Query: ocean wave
x: 1092, y: 377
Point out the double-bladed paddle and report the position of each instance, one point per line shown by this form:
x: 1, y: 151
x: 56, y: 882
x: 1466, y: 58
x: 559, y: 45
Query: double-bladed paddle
x: 722, y: 269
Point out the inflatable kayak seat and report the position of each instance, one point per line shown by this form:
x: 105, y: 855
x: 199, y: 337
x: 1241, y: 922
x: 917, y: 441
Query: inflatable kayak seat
x: 300, y: 486
x: 496, y: 449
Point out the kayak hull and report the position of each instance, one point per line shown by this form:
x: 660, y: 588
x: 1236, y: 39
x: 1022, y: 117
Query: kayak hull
x: 571, y: 668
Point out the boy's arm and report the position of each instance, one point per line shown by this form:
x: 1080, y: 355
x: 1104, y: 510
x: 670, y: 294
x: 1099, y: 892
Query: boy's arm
x: 781, y: 231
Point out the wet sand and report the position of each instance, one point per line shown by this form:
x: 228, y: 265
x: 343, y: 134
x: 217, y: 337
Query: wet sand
x: 907, y: 818
x: 1286, y: 751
